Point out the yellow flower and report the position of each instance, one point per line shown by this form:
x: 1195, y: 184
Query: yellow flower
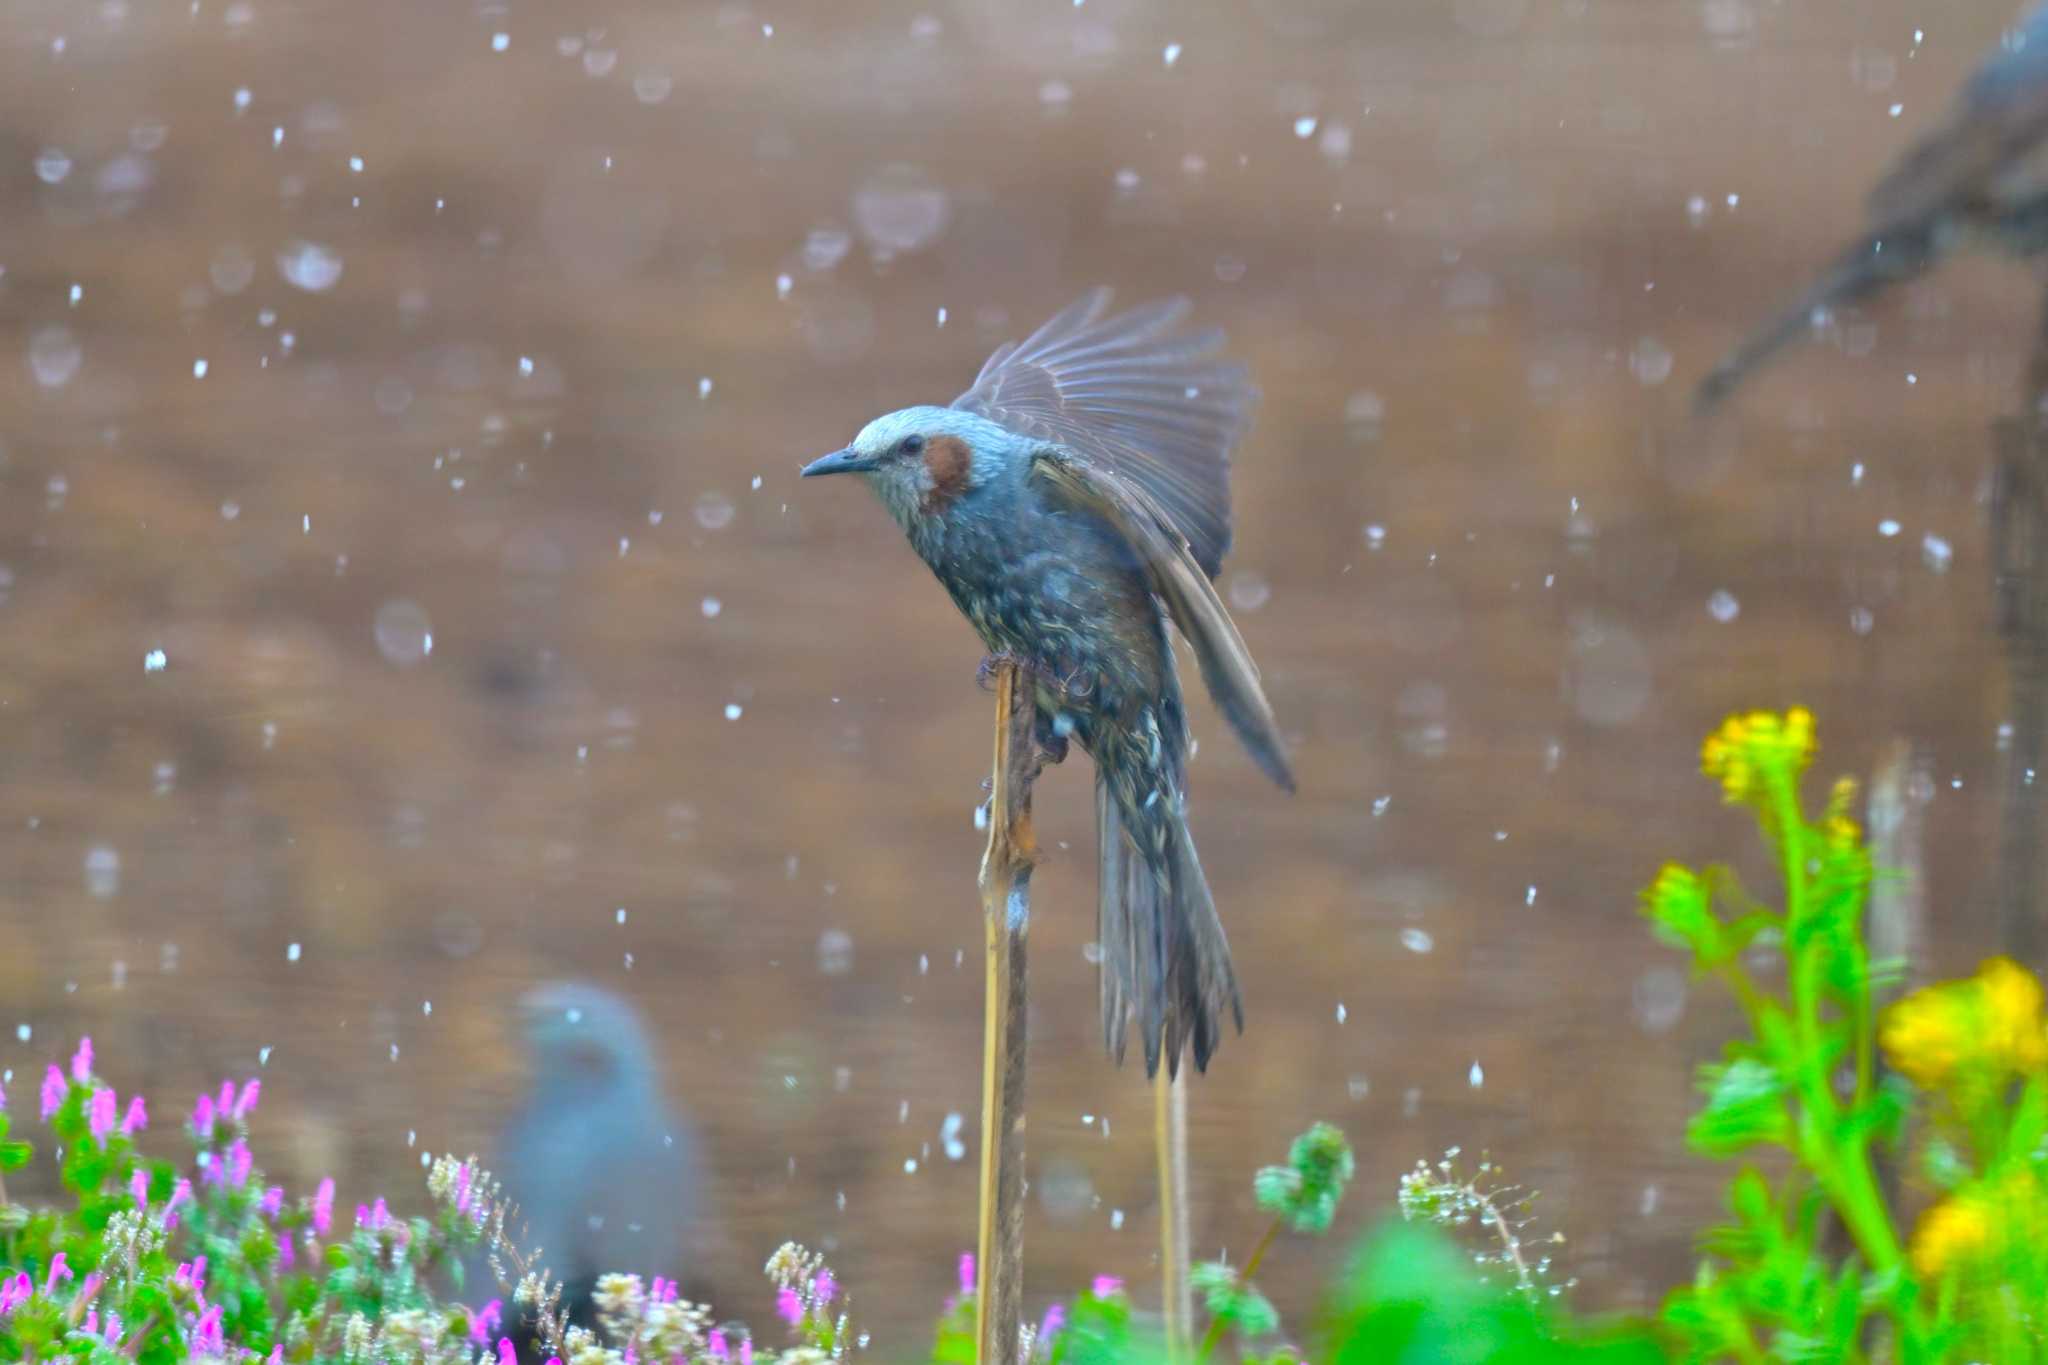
x: 1747, y: 749
x: 1988, y: 1023
x: 1842, y: 831
x: 1980, y: 1222
x: 1956, y: 1229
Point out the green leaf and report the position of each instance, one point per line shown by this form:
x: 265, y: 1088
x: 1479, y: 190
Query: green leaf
x: 15, y: 1155
x: 1745, y: 1106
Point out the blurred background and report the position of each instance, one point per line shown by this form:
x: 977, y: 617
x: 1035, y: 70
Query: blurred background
x: 407, y: 597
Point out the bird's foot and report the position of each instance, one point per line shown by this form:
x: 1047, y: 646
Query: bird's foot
x: 985, y: 675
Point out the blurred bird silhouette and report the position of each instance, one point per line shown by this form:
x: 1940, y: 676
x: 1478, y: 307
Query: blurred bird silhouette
x: 1072, y: 501
x: 604, y: 1172
x: 1979, y: 178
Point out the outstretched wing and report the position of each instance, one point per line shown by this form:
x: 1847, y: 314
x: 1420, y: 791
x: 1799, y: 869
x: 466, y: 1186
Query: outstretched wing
x: 1180, y: 582
x: 2000, y: 117
x: 1135, y: 395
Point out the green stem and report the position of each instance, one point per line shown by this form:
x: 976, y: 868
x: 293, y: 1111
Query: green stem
x: 1214, y: 1335
x: 1843, y: 1169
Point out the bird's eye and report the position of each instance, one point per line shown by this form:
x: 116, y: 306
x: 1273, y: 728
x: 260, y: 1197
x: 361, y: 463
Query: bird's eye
x: 911, y: 445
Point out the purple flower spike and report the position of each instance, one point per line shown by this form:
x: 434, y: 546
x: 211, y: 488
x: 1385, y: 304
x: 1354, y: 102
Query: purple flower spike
x: 81, y: 1062
x: 202, y: 1119
x: 245, y: 1105
x: 138, y: 1187
x: 271, y: 1202
x: 276, y: 1356
x: 323, y: 1206
x: 100, y: 1116
x: 207, y: 1334
x: 54, y: 1090
x: 485, y: 1321
x: 59, y: 1272
x: 966, y: 1272
x: 1107, y: 1286
x: 181, y: 1193
x: 824, y: 1287
x: 3, y: 1099
x: 746, y: 1351
x: 136, y: 1119
x: 226, y: 1103
x: 506, y: 1355
x: 789, y: 1307
x: 716, y: 1344
x: 1055, y: 1320
x: 239, y: 1164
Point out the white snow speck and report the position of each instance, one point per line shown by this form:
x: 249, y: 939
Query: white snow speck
x: 733, y: 710
x: 154, y: 661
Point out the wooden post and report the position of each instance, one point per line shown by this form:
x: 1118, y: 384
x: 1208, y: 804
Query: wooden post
x: 1006, y: 914
x: 1170, y: 1140
x: 2019, y: 548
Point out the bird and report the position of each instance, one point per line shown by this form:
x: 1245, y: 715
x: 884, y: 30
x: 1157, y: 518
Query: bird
x: 604, y: 1173
x: 1979, y: 178
x: 1073, y: 501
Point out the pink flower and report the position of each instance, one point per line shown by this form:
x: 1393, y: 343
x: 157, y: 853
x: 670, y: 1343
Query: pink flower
x: 3, y: 1099
x: 226, y: 1102
x: 192, y: 1275
x: 323, y: 1206
x: 506, y: 1355
x: 966, y: 1272
x: 716, y: 1343
x: 789, y: 1307
x: 246, y: 1104
x: 485, y: 1321
x: 1106, y: 1285
x: 138, y: 1187
x: 1055, y: 1320
x: 271, y: 1202
x: 15, y: 1292
x: 286, y: 1257
x: 54, y: 1090
x: 746, y: 1351
x: 81, y: 1062
x: 136, y: 1119
x: 462, y: 1188
x: 202, y: 1119
x: 824, y: 1287
x: 239, y: 1163
x: 180, y: 1193
x: 276, y: 1356
x: 100, y: 1115
x: 59, y: 1272
x: 90, y: 1290
x: 207, y: 1338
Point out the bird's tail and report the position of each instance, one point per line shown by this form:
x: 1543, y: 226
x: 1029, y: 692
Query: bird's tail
x: 1875, y: 262
x: 1164, y: 954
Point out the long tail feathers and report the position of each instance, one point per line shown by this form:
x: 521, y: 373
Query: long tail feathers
x: 1164, y: 953
x: 1873, y: 263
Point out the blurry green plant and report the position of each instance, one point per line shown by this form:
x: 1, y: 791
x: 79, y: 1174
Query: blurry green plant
x: 1967, y: 1062
x: 1410, y: 1294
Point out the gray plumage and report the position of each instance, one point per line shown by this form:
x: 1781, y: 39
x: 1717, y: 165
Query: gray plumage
x: 1979, y: 178
x: 1073, y: 501
x: 604, y: 1171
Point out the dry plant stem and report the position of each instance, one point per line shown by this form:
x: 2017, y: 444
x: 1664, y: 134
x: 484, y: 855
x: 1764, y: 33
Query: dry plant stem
x: 1006, y: 914
x: 1170, y: 1141
x: 2019, y: 543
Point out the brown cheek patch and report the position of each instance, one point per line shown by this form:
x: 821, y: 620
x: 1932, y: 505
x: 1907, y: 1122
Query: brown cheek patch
x: 946, y: 459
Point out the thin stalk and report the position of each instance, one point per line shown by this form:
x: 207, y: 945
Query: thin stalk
x: 1214, y: 1335
x: 1006, y: 916
x: 1169, y: 1141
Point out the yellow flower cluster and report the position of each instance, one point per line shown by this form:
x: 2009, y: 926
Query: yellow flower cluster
x: 1747, y: 748
x: 1988, y: 1025
x: 1980, y: 1222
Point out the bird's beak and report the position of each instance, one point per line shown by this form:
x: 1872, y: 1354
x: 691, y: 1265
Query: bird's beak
x: 847, y: 461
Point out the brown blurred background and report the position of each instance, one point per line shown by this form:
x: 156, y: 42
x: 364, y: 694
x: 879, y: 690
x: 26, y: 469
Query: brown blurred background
x: 427, y: 383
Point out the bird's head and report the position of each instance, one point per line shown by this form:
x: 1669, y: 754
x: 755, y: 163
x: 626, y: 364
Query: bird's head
x: 583, y: 1032
x: 922, y: 462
